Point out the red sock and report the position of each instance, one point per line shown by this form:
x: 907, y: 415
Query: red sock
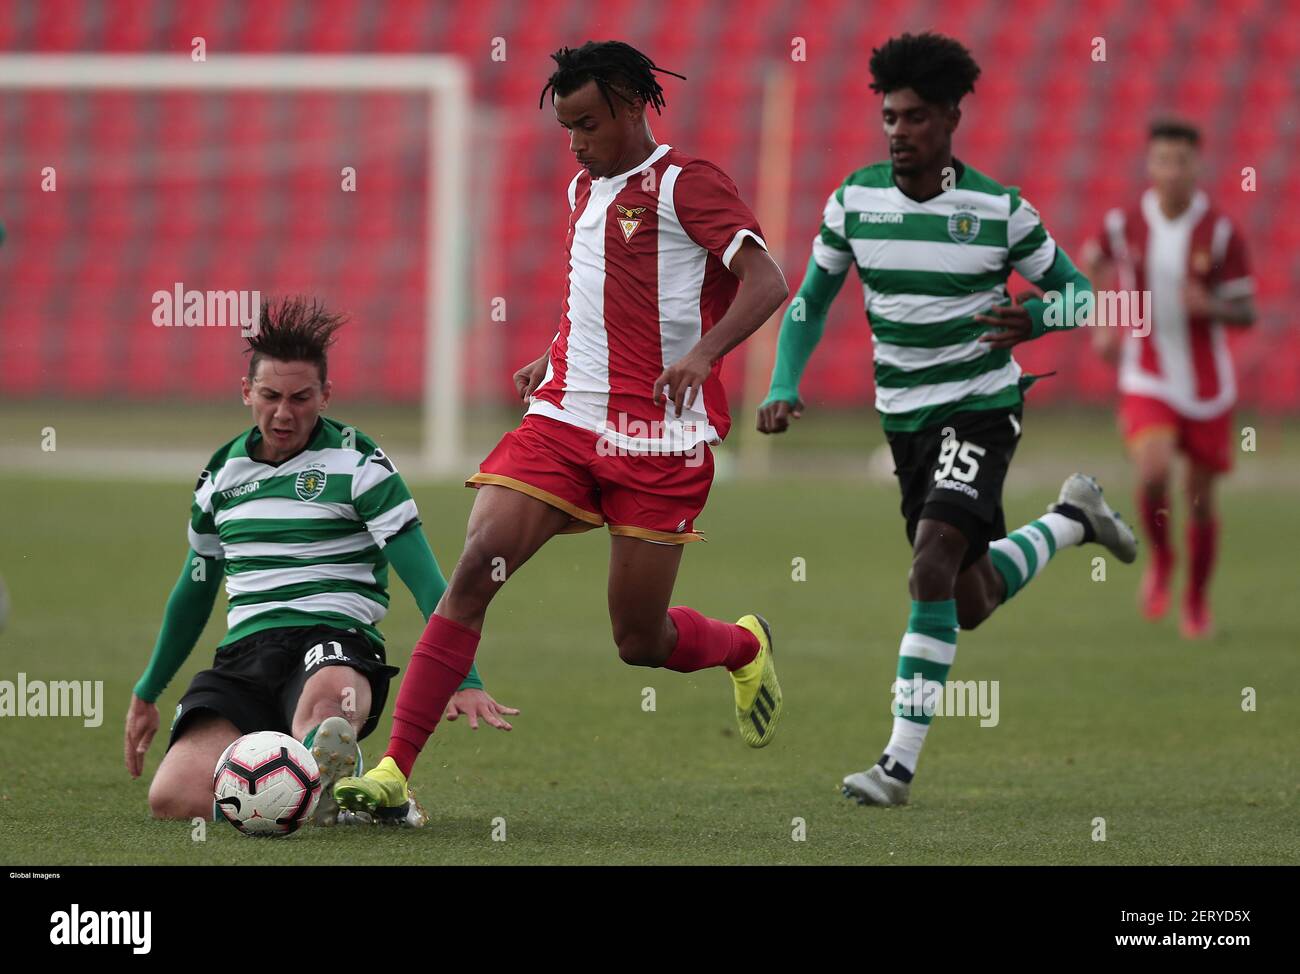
x: 703, y: 642
x: 1155, y: 524
x: 1202, y: 543
x: 439, y: 664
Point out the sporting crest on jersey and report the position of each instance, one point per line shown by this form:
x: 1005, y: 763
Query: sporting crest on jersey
x: 309, y: 484
x: 630, y: 219
x: 964, y: 226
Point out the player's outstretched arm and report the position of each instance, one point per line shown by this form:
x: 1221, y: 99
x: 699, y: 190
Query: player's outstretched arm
x: 187, y: 612
x: 801, y: 330
x: 762, y: 290
x: 412, y: 558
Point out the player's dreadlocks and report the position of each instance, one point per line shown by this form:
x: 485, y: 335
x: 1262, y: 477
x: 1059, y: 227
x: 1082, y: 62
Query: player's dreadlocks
x: 293, y: 330
x: 616, y: 67
x: 937, y: 68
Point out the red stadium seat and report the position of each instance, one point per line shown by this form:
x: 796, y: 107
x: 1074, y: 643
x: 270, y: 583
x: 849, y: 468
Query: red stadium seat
x: 267, y: 206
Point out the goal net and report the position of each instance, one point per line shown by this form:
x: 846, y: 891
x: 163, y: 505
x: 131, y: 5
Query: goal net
x: 136, y: 181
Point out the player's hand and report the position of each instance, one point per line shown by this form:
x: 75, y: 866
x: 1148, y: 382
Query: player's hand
x: 1105, y: 342
x: 1197, y: 299
x: 1007, y: 324
x: 476, y: 704
x: 530, y: 377
x: 775, y: 416
x: 681, y: 382
x: 141, y: 725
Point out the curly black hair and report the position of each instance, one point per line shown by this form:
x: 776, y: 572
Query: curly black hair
x: 616, y: 67
x: 937, y: 68
x: 1174, y: 128
x: 293, y: 330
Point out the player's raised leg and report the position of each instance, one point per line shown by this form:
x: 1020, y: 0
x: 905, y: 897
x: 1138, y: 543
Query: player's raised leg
x: 1014, y: 561
x: 506, y: 528
x: 182, y: 785
x: 650, y: 633
x: 1079, y: 516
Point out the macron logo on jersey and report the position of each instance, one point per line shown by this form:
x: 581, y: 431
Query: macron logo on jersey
x: 241, y: 490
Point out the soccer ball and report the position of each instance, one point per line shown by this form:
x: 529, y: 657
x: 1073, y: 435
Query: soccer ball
x: 266, y: 784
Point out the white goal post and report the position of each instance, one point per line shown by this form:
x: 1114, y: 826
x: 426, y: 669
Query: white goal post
x: 444, y: 78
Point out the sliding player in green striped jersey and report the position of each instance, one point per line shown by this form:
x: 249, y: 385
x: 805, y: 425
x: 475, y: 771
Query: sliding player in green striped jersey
x: 301, y: 515
x: 934, y: 242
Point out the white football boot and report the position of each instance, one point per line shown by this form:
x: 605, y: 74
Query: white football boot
x: 1083, y: 494
x: 876, y: 786
x: 338, y: 755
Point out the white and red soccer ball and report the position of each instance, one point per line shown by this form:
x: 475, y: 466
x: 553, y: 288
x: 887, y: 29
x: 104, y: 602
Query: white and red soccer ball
x: 266, y: 784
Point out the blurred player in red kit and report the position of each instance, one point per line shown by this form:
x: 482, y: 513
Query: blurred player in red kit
x: 1176, y: 381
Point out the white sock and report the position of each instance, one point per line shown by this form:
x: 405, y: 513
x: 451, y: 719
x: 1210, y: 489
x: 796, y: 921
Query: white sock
x: 1065, y: 530
x: 906, y: 741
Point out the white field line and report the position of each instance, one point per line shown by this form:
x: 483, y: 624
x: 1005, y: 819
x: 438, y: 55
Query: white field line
x: 181, y: 466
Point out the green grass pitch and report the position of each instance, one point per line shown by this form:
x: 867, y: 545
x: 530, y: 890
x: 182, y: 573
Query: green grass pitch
x: 1101, y: 715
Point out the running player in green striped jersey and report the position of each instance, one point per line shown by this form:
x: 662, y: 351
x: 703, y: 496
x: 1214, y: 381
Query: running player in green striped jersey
x: 934, y: 242
x: 301, y: 515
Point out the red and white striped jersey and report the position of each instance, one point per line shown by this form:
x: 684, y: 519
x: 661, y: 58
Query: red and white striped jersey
x: 648, y: 252
x: 1184, y: 361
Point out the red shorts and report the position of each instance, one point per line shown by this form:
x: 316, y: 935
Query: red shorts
x: 655, y: 497
x: 1207, y: 442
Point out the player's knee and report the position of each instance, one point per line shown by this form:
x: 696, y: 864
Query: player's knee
x: 1153, y: 479
x: 478, y: 575
x: 322, y: 709
x: 171, y: 803
x: 932, y: 577
x: 970, y: 614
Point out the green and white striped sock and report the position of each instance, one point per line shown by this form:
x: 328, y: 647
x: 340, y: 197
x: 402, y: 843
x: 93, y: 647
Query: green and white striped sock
x: 1022, y: 554
x: 924, y: 657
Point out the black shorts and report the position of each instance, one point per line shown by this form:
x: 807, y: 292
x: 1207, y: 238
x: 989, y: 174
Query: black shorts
x: 953, y: 472
x: 255, y: 683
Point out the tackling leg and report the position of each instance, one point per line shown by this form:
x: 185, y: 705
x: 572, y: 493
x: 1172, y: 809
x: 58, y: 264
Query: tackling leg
x: 182, y: 786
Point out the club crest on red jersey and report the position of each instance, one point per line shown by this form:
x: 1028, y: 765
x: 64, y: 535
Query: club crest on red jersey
x: 629, y: 220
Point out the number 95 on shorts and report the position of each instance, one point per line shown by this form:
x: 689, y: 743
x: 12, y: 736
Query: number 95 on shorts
x: 961, y: 462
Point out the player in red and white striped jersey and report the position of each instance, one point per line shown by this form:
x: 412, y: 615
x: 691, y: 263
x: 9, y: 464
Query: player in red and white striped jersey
x: 667, y: 271
x: 1176, y: 382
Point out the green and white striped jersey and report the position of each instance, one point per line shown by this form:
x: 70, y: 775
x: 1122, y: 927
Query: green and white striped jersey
x: 302, y: 541
x: 927, y: 269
